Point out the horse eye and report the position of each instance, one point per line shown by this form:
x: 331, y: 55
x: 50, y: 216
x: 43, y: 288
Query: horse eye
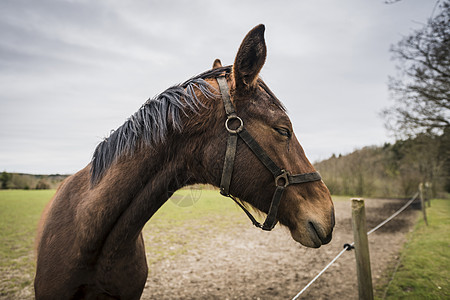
x: 284, y: 132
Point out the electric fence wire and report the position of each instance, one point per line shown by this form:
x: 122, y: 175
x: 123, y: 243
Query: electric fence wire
x: 394, y: 214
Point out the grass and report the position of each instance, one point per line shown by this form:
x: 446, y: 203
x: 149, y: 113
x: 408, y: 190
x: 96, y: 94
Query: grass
x: 424, y: 270
x: 19, y: 216
x: 341, y: 198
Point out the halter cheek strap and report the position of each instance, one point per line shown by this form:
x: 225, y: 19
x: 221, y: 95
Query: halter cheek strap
x: 282, y: 177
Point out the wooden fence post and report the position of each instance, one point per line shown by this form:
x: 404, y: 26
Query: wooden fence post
x: 365, y: 289
x: 422, y: 203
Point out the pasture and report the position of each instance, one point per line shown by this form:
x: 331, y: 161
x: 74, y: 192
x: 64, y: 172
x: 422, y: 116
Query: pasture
x: 424, y: 271
x: 201, y: 245
x: 19, y: 215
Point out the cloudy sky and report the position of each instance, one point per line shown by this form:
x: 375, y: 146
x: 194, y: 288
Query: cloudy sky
x: 71, y: 71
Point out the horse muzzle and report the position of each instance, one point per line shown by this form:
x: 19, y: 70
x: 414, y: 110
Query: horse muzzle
x: 314, y: 233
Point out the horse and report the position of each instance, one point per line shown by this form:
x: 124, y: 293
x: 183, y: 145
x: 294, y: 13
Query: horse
x: 224, y: 127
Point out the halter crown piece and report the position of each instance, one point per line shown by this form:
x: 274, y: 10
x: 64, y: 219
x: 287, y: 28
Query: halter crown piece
x: 282, y: 177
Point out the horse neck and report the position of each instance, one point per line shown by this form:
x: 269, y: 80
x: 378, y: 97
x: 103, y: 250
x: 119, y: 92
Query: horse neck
x: 131, y: 192
x: 136, y: 186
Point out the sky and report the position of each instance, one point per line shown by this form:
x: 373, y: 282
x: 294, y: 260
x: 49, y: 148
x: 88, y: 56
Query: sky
x: 72, y: 71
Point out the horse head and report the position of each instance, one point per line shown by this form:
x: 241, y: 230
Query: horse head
x: 305, y: 208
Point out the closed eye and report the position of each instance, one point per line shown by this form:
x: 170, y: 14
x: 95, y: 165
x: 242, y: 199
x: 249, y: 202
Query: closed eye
x: 284, y: 132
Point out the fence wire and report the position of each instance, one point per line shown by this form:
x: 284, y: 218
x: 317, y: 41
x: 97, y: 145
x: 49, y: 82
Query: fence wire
x: 320, y: 273
x: 394, y: 214
x: 348, y: 247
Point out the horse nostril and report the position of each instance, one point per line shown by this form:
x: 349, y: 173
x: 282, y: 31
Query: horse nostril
x: 320, y: 233
x: 314, y: 229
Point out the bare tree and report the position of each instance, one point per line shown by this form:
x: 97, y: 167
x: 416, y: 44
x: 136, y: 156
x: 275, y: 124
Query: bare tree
x: 422, y: 89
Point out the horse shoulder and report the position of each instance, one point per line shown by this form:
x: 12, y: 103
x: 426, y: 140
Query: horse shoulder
x: 62, y: 205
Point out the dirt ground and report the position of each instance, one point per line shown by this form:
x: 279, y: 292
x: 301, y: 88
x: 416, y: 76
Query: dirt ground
x: 247, y: 263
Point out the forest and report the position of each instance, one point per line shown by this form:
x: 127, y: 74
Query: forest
x: 392, y: 170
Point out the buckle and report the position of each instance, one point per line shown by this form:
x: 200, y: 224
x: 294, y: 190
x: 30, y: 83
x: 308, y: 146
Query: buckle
x: 282, y: 180
x: 232, y: 118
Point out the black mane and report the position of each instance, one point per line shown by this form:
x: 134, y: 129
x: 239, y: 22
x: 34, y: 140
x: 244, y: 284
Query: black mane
x: 151, y: 122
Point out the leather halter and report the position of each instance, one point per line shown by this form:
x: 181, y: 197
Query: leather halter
x: 282, y: 177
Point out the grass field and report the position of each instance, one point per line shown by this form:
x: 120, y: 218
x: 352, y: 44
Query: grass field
x: 19, y: 216
x: 424, y: 270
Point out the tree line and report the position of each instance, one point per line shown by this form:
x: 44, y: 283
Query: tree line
x: 392, y: 170
x: 28, y: 181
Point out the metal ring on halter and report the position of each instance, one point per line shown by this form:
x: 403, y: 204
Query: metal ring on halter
x: 237, y: 130
x: 282, y: 177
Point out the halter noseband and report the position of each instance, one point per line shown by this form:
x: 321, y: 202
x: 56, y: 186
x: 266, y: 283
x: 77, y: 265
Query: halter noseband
x: 282, y: 177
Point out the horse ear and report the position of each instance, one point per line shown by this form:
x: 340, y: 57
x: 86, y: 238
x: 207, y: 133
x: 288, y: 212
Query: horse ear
x: 217, y: 64
x: 250, y: 58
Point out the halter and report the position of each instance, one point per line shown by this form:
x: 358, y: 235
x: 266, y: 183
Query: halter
x: 282, y: 177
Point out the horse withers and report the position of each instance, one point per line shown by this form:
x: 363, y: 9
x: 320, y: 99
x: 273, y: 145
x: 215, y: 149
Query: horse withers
x: 223, y: 127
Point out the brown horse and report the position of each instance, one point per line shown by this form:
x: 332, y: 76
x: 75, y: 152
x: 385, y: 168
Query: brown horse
x: 90, y: 244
